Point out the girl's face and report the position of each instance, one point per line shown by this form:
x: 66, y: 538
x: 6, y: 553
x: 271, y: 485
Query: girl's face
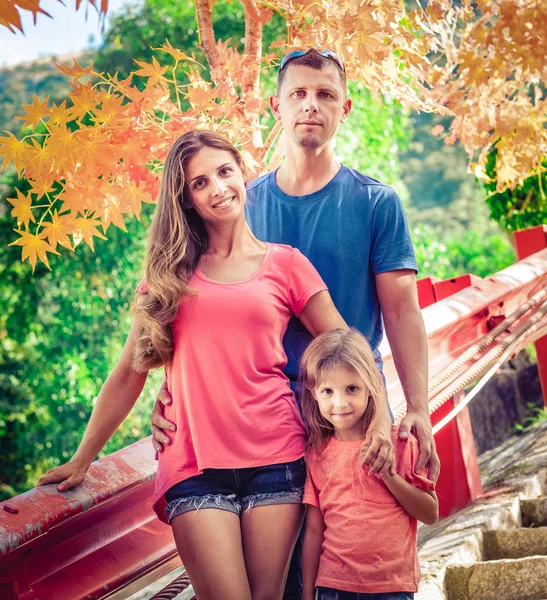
x: 216, y: 185
x: 343, y: 399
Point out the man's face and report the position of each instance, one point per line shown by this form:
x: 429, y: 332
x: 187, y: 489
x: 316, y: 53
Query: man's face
x: 311, y: 104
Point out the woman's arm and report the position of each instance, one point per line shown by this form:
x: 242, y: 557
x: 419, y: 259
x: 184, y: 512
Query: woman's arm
x: 311, y: 550
x: 421, y: 505
x: 116, y: 399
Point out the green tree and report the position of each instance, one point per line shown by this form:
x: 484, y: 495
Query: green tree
x: 61, y: 333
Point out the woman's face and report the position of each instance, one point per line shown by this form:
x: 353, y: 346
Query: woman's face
x: 217, y: 186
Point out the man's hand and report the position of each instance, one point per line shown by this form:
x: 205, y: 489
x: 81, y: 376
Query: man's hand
x: 159, y: 423
x: 69, y: 475
x: 420, y: 425
x: 377, y: 452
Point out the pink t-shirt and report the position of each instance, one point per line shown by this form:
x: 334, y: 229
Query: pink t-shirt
x: 232, y: 404
x: 369, y: 544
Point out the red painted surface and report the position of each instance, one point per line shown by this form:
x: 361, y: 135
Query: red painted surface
x: 448, y: 287
x: 103, y: 537
x: 88, y: 541
x: 459, y: 483
x: 531, y: 240
x: 426, y: 291
x: 528, y: 242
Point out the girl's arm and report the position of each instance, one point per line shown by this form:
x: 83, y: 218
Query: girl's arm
x: 421, y: 505
x: 311, y: 550
x: 320, y: 315
x: 116, y: 399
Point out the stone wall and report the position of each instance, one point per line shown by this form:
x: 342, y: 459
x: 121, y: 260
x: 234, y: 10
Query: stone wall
x: 507, y: 399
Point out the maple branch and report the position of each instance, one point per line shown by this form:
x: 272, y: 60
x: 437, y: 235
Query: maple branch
x: 270, y: 140
x: 253, y: 46
x: 206, y: 32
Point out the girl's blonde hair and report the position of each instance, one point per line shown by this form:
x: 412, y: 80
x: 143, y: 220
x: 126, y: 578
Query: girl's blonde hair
x: 346, y: 348
x: 176, y: 241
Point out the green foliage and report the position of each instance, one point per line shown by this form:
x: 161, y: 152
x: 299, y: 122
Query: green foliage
x: 536, y: 415
x: 523, y: 207
x: 459, y: 239
x: 374, y: 136
x: 61, y: 332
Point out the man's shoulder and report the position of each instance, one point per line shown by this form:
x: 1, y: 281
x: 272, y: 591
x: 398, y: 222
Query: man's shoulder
x: 256, y: 184
x: 367, y: 181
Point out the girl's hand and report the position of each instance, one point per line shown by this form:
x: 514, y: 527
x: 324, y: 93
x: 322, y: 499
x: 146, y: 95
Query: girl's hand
x: 377, y: 452
x: 69, y: 475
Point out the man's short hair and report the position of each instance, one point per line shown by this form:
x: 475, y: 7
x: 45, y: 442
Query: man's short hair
x: 313, y: 60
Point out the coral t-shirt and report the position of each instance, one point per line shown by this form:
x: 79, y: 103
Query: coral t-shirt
x: 232, y: 404
x: 369, y: 544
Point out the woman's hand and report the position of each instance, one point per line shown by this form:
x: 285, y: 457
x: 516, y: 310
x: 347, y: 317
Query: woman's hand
x: 68, y: 475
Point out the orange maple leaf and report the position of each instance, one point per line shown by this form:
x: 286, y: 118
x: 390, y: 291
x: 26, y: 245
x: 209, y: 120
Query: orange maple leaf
x: 154, y: 71
x: 34, y: 246
x: 14, y: 150
x: 22, y: 208
x: 85, y: 230
x: 40, y: 187
x: 10, y: 17
x: 77, y: 71
x: 35, y: 112
x: 84, y: 99
x: 58, y: 230
x: 60, y: 144
x: 58, y: 114
x: 175, y: 53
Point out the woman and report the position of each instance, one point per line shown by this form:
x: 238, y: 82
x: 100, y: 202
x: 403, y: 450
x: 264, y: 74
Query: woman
x: 213, y: 308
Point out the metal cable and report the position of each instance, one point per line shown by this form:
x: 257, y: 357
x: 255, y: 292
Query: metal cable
x: 480, y: 367
x: 538, y: 333
x: 176, y: 587
x: 486, y: 341
x: 485, y: 361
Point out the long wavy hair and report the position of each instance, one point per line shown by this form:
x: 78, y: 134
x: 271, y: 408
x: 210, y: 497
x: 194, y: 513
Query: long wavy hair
x: 346, y: 348
x: 176, y: 241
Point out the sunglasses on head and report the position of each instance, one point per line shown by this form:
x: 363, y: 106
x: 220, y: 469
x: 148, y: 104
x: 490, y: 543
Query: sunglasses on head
x: 326, y: 53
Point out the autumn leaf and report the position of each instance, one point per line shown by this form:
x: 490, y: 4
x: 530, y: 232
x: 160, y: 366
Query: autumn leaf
x: 14, y: 150
x: 85, y: 230
x: 34, y: 246
x: 174, y: 52
x: 76, y: 71
x: 10, y: 17
x: 22, y: 208
x: 154, y: 71
x: 58, y: 229
x: 35, y: 112
x: 83, y: 100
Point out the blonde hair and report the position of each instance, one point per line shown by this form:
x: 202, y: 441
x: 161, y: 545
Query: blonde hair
x: 346, y: 348
x: 176, y: 241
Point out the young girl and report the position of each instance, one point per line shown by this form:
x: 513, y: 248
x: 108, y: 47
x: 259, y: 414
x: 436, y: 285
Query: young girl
x: 360, y: 538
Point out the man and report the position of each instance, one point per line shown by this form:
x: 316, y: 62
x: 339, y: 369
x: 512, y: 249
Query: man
x: 354, y: 231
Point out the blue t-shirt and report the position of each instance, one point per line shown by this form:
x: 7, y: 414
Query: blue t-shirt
x: 351, y: 230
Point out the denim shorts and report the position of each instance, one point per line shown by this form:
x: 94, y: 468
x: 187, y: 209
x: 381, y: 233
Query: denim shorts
x: 331, y: 594
x: 236, y: 490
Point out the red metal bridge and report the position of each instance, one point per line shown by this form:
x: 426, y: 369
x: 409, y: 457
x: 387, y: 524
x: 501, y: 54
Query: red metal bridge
x: 102, y: 539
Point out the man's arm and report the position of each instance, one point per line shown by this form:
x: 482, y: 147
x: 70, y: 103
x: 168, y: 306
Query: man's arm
x: 408, y: 341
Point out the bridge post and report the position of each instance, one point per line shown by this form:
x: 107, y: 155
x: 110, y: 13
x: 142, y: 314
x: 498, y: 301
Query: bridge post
x: 528, y: 242
x: 459, y: 483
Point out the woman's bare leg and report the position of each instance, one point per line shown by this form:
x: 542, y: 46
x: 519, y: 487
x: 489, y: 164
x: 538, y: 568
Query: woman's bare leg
x: 269, y: 535
x: 209, y: 544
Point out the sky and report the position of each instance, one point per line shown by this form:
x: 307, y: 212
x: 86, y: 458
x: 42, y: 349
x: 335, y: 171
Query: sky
x: 68, y: 31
